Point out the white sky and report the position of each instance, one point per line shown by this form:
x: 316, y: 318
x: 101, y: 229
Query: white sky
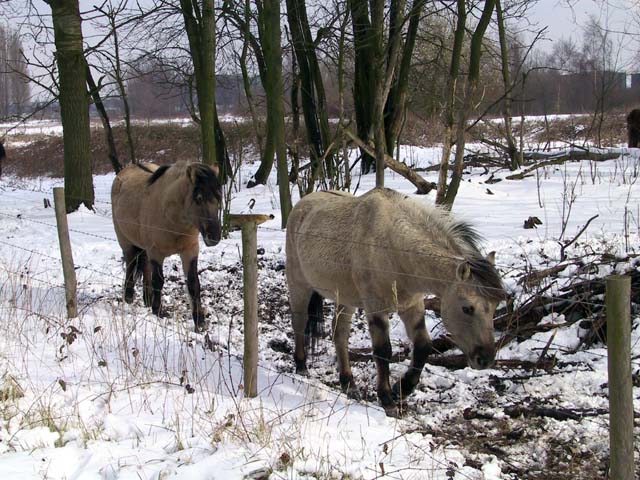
x: 565, y: 18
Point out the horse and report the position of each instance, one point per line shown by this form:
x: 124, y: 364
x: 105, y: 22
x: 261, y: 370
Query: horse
x: 633, y: 128
x: 159, y: 211
x: 384, y: 252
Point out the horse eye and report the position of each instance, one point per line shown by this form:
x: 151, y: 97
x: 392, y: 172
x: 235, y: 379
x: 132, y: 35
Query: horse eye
x: 199, y: 199
x: 467, y: 310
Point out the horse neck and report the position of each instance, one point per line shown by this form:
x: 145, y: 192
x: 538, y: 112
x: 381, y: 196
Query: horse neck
x: 430, y: 264
x: 172, y: 191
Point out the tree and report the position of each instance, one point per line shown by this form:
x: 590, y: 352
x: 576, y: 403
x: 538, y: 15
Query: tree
x: 270, y: 36
x: 74, y: 103
x: 200, y: 25
x: 447, y: 194
x: 14, y: 87
x: 314, y: 105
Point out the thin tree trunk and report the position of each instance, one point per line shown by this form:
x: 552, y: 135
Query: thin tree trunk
x: 512, y: 150
x: 471, y: 87
x: 74, y: 103
x: 270, y: 36
x: 363, y: 88
x: 112, y: 152
x: 396, y: 105
x: 450, y: 96
x: 200, y: 27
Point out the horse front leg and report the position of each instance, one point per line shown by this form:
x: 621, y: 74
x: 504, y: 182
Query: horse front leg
x: 379, y: 331
x: 340, y: 332
x: 190, y: 268
x: 413, y: 319
x: 157, y: 282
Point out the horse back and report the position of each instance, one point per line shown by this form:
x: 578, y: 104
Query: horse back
x: 127, y: 200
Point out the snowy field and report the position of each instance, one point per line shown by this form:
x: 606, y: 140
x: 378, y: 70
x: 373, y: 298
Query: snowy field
x: 120, y: 394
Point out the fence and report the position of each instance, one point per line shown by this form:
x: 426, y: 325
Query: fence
x: 250, y: 291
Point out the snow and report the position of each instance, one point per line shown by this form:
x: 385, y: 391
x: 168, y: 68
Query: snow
x: 119, y: 393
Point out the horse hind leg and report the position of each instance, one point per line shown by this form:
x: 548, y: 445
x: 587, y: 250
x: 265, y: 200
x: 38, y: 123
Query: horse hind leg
x: 304, y: 305
x: 340, y: 332
x: 413, y: 319
x: 133, y: 258
x: 379, y: 331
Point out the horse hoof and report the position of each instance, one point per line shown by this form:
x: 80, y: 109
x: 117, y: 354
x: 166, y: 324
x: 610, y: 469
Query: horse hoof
x: 201, y: 327
x: 352, y: 392
x: 392, y: 411
x: 128, y: 297
x: 401, y: 390
x: 302, y: 371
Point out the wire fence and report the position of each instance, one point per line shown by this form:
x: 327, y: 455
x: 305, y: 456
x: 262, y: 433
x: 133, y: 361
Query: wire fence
x: 117, y: 280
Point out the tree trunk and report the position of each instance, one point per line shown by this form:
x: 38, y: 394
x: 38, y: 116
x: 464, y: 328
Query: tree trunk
x: 363, y: 87
x: 512, y: 150
x: 472, y: 84
x: 270, y: 36
x: 450, y: 98
x: 112, y: 153
x: 200, y: 26
x: 396, y: 105
x: 74, y: 103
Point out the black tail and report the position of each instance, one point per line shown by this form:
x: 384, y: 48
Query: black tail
x: 141, y: 261
x: 315, y: 324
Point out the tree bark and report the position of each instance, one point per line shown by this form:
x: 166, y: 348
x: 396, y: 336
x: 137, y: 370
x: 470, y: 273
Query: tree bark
x: 396, y: 104
x: 200, y: 26
x: 475, y: 51
x: 311, y: 88
x: 112, y: 152
x: 363, y: 88
x: 450, y: 95
x: 270, y: 36
x: 512, y: 150
x: 74, y: 103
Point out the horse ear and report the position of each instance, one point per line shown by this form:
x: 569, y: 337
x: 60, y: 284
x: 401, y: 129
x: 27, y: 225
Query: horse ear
x: 463, y: 272
x: 216, y: 170
x: 191, y: 174
x: 491, y: 258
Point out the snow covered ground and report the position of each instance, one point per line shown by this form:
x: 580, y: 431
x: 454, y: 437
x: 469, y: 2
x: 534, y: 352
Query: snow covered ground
x: 119, y: 393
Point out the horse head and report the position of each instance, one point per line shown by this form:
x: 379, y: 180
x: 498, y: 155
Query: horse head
x: 468, y: 306
x: 203, y: 205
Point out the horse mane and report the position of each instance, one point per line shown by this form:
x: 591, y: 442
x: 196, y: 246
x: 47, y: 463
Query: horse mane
x: 460, y: 236
x: 157, y: 174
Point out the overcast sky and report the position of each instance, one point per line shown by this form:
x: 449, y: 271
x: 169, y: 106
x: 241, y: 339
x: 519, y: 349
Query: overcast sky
x: 566, y: 17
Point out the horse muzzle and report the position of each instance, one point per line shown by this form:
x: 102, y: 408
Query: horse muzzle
x: 211, y: 240
x: 482, y: 357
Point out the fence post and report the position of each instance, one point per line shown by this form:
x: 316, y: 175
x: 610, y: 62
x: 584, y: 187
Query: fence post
x: 249, y: 225
x: 618, y: 304
x: 70, y: 285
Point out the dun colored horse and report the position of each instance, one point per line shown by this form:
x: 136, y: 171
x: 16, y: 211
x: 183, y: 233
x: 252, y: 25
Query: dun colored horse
x: 633, y: 128
x: 158, y: 211
x: 383, y: 252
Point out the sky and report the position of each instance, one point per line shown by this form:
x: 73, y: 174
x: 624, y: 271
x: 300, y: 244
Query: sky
x: 565, y: 19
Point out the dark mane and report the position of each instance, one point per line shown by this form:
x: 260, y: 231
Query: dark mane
x: 157, y: 174
x: 206, y: 182
x: 490, y: 283
x: 465, y: 233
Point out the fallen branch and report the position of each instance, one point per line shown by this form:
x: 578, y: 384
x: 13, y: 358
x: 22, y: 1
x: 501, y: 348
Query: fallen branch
x: 400, y: 168
x: 556, y: 159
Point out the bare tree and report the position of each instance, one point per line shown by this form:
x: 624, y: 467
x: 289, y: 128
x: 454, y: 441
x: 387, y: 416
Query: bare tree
x: 74, y: 103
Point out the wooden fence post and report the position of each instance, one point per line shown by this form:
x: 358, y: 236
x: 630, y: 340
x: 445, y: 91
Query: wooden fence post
x: 249, y: 225
x: 70, y: 285
x: 618, y: 304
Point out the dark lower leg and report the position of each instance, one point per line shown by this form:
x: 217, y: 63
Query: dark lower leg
x: 157, y: 281
x: 193, y: 285
x: 421, y: 349
x: 379, y: 330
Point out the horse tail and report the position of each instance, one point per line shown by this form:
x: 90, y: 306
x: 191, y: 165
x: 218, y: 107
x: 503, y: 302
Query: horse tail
x: 314, y: 328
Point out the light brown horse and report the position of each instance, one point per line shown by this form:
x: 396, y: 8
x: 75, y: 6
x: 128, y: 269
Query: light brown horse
x: 158, y: 211
x: 383, y: 252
